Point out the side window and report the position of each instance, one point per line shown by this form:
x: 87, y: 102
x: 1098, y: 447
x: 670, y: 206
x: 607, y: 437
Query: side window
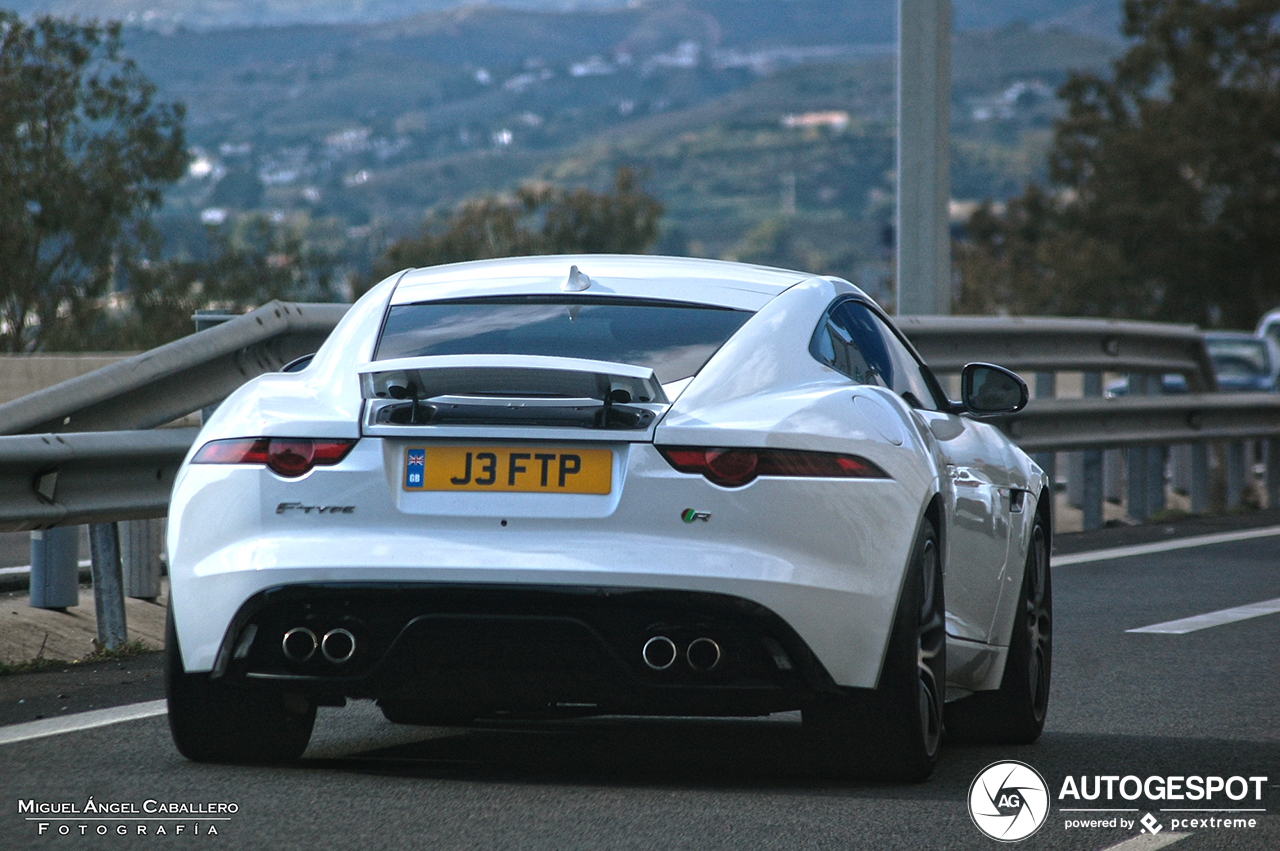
x: 847, y: 343
x: 858, y: 343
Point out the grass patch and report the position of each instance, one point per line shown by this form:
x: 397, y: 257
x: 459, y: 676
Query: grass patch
x: 125, y: 651
x: 128, y: 650
x: 1168, y: 515
x: 37, y: 664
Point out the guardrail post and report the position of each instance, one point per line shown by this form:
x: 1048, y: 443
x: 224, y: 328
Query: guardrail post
x: 1200, y: 478
x: 1157, y: 461
x: 1046, y: 388
x: 1235, y: 473
x: 1272, y: 460
x: 55, y: 568
x: 1180, y: 468
x: 1136, y: 463
x: 1113, y: 472
x: 108, y: 585
x: 1091, y: 467
x: 141, y: 542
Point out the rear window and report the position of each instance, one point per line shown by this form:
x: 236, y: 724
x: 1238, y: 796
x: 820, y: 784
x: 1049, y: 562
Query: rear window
x: 673, y: 339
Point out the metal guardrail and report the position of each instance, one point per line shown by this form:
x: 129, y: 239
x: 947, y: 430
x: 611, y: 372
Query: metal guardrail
x: 96, y: 477
x: 1038, y: 344
x: 114, y: 476
x: 87, y: 450
x: 71, y: 476
x: 169, y: 382
x: 1062, y: 425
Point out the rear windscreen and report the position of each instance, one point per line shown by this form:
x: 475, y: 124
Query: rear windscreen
x: 673, y: 339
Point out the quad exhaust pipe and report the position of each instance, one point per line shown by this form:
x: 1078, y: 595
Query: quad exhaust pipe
x: 338, y: 646
x: 702, y: 654
x: 300, y: 644
x: 660, y: 653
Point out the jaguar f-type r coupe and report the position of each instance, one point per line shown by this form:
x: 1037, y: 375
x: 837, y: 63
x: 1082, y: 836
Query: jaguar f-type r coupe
x: 558, y: 486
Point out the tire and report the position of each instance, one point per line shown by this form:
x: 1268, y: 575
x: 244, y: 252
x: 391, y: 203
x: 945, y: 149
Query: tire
x: 893, y: 732
x: 214, y: 722
x: 1014, y: 714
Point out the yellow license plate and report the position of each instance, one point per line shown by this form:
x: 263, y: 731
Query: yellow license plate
x: 510, y: 469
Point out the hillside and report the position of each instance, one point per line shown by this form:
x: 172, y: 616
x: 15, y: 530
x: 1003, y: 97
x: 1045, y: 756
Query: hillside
x: 1090, y: 16
x: 369, y: 127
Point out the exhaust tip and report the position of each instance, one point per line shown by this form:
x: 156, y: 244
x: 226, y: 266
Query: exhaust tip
x: 299, y: 644
x: 659, y: 652
x: 703, y: 654
x: 338, y: 646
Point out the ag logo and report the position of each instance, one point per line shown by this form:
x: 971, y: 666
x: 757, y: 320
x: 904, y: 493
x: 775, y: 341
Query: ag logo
x: 1008, y: 801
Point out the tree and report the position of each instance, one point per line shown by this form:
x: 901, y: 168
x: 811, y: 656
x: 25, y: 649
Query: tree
x: 1166, y: 202
x: 539, y: 219
x: 1022, y: 260
x: 85, y: 152
x: 251, y: 260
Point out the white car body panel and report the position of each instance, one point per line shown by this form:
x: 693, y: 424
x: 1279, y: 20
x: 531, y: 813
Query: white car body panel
x: 825, y: 555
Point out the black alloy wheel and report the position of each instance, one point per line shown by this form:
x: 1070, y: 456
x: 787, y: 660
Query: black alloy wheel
x: 214, y: 722
x: 1014, y: 714
x: 894, y: 732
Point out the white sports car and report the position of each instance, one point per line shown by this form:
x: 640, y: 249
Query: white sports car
x: 558, y: 486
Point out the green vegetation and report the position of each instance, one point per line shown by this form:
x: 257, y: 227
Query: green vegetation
x: 539, y: 219
x: 86, y: 152
x: 128, y: 650
x: 427, y: 113
x: 1166, y: 181
x: 39, y: 663
x: 323, y: 156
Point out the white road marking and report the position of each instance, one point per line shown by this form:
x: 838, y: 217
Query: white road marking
x: 1166, y: 546
x: 81, y: 721
x: 1148, y: 842
x: 1225, y: 616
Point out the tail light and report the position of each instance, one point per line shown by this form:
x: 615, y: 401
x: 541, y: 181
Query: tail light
x: 288, y: 456
x: 736, y: 467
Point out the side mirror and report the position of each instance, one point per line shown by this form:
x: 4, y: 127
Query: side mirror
x: 987, y: 390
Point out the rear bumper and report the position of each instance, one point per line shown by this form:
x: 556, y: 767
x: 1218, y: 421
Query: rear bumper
x: 486, y: 649
x: 843, y: 627
x: 825, y: 556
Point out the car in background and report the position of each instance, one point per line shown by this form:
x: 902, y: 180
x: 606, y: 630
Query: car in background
x: 1243, y: 362
x: 1170, y: 382
x: 564, y: 486
x: 1269, y: 327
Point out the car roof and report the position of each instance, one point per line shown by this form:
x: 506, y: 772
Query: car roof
x: 1234, y: 337
x: 695, y: 280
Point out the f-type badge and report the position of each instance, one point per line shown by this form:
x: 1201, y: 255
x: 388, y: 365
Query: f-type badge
x: 689, y: 515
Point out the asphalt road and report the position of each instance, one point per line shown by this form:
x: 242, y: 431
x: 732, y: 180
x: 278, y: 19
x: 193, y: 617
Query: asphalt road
x: 1206, y: 703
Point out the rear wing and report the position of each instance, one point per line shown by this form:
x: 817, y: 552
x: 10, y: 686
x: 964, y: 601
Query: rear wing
x: 406, y: 395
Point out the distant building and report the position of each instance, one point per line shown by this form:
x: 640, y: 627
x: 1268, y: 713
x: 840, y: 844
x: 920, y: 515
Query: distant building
x: 835, y: 119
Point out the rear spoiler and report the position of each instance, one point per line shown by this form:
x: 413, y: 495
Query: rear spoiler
x: 510, y: 390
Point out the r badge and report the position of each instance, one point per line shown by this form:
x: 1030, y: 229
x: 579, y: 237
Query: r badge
x: 689, y: 515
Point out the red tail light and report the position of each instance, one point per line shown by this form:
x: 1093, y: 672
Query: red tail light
x: 287, y: 456
x: 733, y: 468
